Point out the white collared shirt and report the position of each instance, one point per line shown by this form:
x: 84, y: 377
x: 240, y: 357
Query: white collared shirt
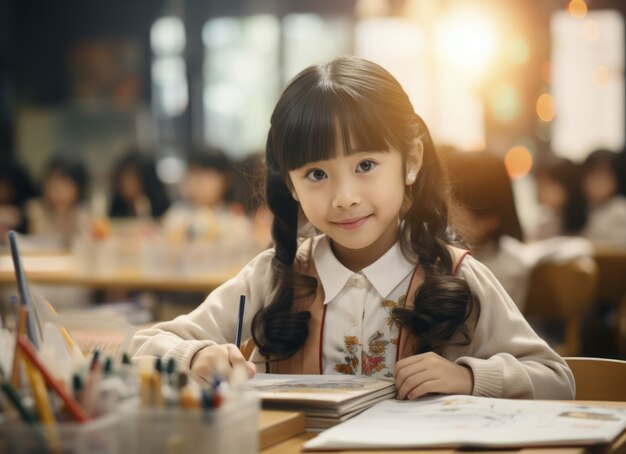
x: 359, y: 335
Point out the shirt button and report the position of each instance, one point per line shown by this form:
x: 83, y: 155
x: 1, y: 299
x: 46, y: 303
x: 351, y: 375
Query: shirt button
x: 358, y: 281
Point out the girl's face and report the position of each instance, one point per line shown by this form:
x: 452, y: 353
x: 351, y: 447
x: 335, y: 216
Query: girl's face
x: 60, y: 192
x: 204, y: 187
x: 354, y: 199
x: 599, y: 184
x: 550, y: 193
x: 129, y: 184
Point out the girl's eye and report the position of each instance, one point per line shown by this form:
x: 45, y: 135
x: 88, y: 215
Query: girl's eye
x: 366, y: 166
x: 315, y: 175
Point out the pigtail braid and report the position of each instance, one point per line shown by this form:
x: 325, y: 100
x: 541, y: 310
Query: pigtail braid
x: 277, y: 330
x: 444, y: 302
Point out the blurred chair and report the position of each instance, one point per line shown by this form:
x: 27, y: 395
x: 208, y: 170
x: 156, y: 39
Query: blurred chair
x: 612, y: 287
x: 563, y: 291
x: 599, y: 378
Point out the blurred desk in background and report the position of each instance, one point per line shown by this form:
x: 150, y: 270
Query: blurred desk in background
x: 61, y: 269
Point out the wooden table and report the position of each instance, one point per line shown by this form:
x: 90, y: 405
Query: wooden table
x: 294, y: 444
x: 61, y: 270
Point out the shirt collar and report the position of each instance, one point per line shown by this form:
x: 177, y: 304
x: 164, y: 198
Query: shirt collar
x: 384, y: 274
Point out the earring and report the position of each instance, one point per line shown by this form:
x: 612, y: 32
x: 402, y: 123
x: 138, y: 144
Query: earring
x: 410, y: 178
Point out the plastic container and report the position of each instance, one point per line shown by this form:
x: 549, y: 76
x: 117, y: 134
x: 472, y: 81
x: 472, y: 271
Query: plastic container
x: 232, y: 428
x: 100, y: 436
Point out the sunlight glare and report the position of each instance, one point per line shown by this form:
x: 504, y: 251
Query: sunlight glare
x: 466, y: 39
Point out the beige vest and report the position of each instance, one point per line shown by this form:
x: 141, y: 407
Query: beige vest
x: 308, y: 360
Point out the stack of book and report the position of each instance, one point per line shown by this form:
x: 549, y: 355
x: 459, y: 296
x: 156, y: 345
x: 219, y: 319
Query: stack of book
x: 326, y: 400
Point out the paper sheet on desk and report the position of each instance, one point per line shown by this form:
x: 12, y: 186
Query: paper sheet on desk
x: 453, y: 421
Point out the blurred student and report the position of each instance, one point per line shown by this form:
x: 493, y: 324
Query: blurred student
x: 204, y: 193
x: 16, y: 188
x: 560, y: 195
x: 485, y: 215
x: 137, y: 190
x: 606, y: 216
x: 60, y: 210
x: 59, y: 214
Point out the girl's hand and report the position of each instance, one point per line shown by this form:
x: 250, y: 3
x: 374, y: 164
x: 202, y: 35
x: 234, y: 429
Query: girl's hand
x: 427, y: 373
x: 223, y: 358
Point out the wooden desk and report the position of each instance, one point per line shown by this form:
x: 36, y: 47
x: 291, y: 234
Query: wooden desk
x: 61, y: 270
x: 294, y: 444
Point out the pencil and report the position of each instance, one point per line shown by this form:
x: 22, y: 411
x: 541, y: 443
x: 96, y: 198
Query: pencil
x: 40, y: 394
x: 90, y: 392
x: 21, y: 330
x: 31, y: 355
x: 24, y: 413
x: 16, y: 400
x: 242, y: 305
x: 22, y: 286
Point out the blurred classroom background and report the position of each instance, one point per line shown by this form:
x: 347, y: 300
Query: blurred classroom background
x: 131, y: 133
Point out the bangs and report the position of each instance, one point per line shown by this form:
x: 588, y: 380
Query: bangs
x: 326, y: 123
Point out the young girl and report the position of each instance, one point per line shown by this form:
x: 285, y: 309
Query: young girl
x: 137, y: 190
x: 606, y: 221
x: 560, y: 195
x: 61, y: 209
x: 381, y: 291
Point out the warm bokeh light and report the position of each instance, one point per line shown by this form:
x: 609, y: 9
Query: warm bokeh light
x: 591, y: 30
x: 518, y: 161
x: 577, y: 8
x: 600, y: 76
x: 466, y: 39
x: 545, y: 107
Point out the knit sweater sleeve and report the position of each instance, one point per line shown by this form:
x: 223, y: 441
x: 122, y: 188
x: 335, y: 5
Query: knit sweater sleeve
x: 507, y: 358
x: 212, y: 322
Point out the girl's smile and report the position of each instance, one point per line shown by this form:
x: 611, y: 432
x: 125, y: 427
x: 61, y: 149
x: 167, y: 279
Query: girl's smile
x: 356, y: 200
x: 354, y: 223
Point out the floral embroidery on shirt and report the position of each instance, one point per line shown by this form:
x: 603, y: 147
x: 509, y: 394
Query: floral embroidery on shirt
x: 374, y: 358
x: 389, y: 305
x: 351, y: 362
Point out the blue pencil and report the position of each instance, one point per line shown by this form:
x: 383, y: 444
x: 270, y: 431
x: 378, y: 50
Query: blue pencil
x: 242, y: 305
x: 22, y: 286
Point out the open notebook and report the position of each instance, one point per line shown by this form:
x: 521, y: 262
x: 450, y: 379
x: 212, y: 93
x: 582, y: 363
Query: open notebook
x: 326, y: 400
x: 473, y: 422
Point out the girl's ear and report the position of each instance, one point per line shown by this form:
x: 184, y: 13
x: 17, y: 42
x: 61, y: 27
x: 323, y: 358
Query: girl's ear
x: 414, y: 163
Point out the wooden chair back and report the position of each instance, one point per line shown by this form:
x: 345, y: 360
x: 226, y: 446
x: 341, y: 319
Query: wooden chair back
x: 598, y: 378
x: 563, y: 291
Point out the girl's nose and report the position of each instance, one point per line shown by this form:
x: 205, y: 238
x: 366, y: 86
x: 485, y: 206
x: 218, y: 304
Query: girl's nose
x: 346, y: 196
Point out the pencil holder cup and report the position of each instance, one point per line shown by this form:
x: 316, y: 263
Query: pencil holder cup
x: 99, y: 436
x: 231, y: 428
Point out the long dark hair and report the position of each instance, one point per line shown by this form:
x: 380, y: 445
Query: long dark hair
x: 152, y: 187
x: 357, y: 103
